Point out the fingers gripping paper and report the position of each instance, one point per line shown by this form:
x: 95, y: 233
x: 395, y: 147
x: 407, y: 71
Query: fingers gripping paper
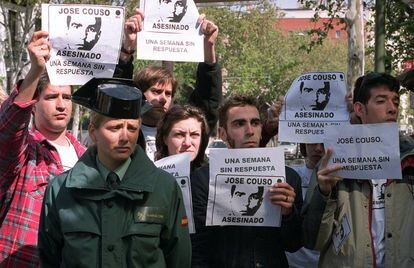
x: 171, y: 31
x: 85, y: 39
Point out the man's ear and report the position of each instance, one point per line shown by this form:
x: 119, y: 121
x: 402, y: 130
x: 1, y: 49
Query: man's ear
x: 359, y: 109
x: 222, y: 133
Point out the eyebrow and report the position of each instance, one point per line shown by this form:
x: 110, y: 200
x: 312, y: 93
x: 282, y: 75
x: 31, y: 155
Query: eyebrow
x: 239, y: 121
x: 385, y: 96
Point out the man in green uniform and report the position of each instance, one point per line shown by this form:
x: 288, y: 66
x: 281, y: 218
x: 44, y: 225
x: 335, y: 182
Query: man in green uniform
x: 114, y: 208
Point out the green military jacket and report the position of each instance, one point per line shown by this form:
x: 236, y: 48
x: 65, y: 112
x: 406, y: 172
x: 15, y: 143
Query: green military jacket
x: 350, y: 201
x: 139, y: 223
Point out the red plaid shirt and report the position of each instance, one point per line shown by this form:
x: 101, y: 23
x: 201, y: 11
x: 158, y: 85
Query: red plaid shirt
x: 27, y: 163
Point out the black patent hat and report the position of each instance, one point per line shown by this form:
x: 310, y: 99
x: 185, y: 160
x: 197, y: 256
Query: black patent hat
x: 112, y: 97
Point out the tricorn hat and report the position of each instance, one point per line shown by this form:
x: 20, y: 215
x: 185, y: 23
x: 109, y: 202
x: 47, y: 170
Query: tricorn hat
x: 112, y: 97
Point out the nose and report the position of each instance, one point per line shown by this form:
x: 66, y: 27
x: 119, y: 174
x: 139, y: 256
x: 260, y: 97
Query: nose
x: 162, y: 98
x: 392, y: 107
x: 60, y: 103
x: 187, y: 140
x: 123, y: 135
x: 249, y: 129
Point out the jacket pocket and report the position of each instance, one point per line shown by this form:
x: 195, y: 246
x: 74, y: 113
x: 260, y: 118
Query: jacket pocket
x: 81, y: 244
x: 142, y: 245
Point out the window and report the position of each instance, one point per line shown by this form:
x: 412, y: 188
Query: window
x: 338, y: 34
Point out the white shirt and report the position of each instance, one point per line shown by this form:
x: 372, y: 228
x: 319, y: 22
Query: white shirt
x: 378, y: 220
x: 149, y: 135
x: 67, y: 154
x: 303, y: 258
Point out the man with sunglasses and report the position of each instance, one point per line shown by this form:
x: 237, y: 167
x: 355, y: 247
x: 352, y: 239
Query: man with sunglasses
x: 375, y: 218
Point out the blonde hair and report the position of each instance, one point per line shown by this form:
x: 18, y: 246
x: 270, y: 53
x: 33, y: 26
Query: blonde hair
x: 96, y: 119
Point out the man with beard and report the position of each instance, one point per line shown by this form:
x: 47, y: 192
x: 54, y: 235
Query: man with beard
x: 240, y: 126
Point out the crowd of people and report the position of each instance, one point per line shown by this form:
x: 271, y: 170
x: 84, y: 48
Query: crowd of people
x: 64, y: 205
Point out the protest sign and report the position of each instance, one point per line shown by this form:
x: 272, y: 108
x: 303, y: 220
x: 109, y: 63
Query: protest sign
x: 313, y: 102
x: 365, y: 151
x: 170, y: 31
x: 85, y: 39
x: 240, y: 180
x: 179, y: 166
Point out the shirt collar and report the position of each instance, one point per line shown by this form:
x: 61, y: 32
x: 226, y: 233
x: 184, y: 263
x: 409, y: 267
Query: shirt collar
x: 120, y: 171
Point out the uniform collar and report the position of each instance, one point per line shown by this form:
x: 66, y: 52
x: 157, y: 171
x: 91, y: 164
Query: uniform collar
x: 120, y: 171
x: 140, y: 176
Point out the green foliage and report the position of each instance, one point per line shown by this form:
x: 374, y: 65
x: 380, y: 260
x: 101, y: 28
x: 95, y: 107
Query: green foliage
x: 261, y: 60
x: 318, y: 35
x: 399, y: 32
x: 399, y: 28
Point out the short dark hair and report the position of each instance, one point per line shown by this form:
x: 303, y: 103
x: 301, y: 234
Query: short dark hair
x: 44, y: 81
x: 176, y: 114
x: 98, y: 23
x: 151, y: 75
x: 364, y: 84
x: 236, y: 100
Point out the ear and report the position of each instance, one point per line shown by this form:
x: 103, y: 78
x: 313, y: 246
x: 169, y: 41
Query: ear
x: 91, y: 132
x: 359, y: 109
x: 222, y: 133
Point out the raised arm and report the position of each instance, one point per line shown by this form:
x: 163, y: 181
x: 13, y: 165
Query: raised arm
x: 16, y: 111
x: 208, y: 91
x: 133, y: 25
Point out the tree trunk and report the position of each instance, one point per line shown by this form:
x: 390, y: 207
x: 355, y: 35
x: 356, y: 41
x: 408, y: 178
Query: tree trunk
x: 380, y: 36
x: 356, y: 44
x: 76, y: 120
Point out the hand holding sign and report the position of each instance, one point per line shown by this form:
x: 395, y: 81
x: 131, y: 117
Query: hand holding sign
x: 132, y: 26
x: 283, y: 195
x: 273, y: 113
x: 327, y: 181
x: 39, y: 51
x: 210, y: 31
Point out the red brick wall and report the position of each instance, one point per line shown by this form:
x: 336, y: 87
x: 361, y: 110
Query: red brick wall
x: 298, y: 24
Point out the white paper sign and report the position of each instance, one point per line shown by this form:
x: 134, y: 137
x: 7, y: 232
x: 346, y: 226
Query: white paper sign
x: 239, y: 184
x: 170, y: 31
x: 85, y: 39
x: 341, y: 233
x: 179, y: 166
x: 366, y: 151
x: 313, y: 102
